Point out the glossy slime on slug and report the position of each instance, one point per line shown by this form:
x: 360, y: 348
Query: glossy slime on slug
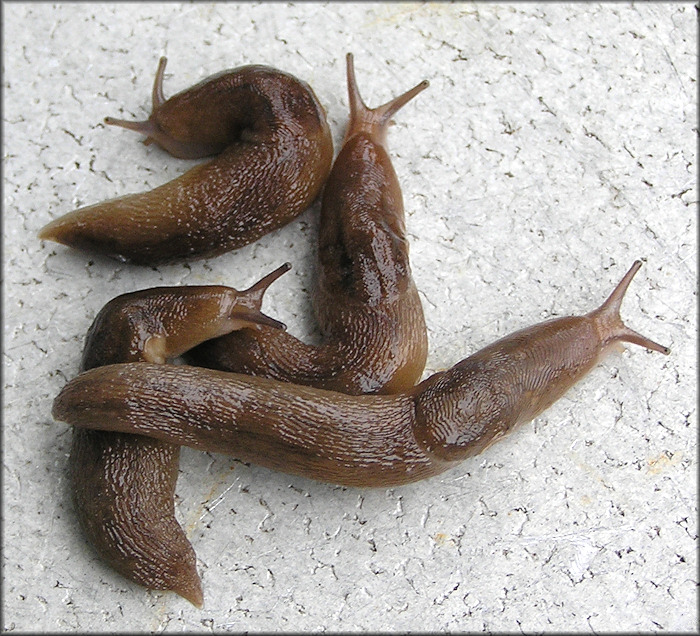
x: 365, y: 299
x: 132, y: 523
x: 368, y: 440
x: 274, y: 152
x: 123, y: 485
x: 131, y: 418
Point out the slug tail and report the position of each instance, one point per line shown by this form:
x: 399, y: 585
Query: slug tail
x: 190, y: 588
x: 373, y: 121
x: 61, y: 230
x: 91, y: 228
x: 48, y: 233
x: 609, y: 322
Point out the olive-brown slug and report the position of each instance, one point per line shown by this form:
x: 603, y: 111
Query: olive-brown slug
x: 274, y: 152
x: 365, y: 300
x: 123, y: 485
x: 367, y: 440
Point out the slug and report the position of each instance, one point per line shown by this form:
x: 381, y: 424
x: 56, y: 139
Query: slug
x: 365, y: 300
x: 274, y: 152
x: 367, y: 440
x: 123, y: 485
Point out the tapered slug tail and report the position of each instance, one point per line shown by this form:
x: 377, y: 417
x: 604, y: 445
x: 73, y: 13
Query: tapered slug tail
x: 60, y: 230
x: 190, y: 588
x: 47, y: 233
x: 373, y: 120
x: 607, y: 317
x: 257, y: 290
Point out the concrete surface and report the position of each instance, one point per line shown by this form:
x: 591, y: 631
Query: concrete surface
x: 555, y: 145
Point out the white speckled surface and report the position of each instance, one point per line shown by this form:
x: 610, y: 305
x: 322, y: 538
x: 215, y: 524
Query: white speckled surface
x: 555, y: 145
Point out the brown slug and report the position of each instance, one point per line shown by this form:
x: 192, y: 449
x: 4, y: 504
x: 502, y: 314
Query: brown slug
x: 123, y: 485
x: 274, y: 152
x: 367, y: 440
x: 365, y: 300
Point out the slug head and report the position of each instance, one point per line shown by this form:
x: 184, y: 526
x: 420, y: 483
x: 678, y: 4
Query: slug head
x: 373, y: 121
x: 198, y: 122
x: 248, y: 303
x: 607, y: 318
x: 150, y: 127
x: 220, y: 313
x: 162, y: 323
x: 462, y: 411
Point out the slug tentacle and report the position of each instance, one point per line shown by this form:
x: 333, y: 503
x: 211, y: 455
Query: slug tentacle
x: 368, y: 440
x: 157, y: 96
x: 254, y: 294
x: 146, y: 127
x: 608, y: 319
x: 183, y: 148
x: 273, y: 153
x: 124, y: 485
x: 246, y: 308
x: 373, y: 121
x: 365, y: 299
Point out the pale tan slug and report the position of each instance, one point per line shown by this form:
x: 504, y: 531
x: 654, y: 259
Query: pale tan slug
x: 369, y: 440
x: 123, y: 485
x: 365, y: 300
x: 274, y: 151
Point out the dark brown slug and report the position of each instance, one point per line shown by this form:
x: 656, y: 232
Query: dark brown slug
x: 274, y: 152
x: 370, y: 440
x: 365, y: 300
x: 123, y: 485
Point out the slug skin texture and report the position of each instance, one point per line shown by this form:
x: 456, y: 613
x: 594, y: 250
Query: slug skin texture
x: 365, y: 300
x: 368, y: 440
x: 273, y: 152
x: 347, y: 411
x: 123, y: 485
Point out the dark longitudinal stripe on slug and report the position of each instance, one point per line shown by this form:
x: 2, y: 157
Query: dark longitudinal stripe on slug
x: 124, y: 484
x: 274, y: 152
x: 365, y: 299
x: 368, y: 440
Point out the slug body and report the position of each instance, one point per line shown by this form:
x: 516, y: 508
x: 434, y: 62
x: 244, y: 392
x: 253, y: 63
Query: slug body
x: 274, y: 151
x: 123, y: 485
x: 371, y: 440
x: 366, y: 303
